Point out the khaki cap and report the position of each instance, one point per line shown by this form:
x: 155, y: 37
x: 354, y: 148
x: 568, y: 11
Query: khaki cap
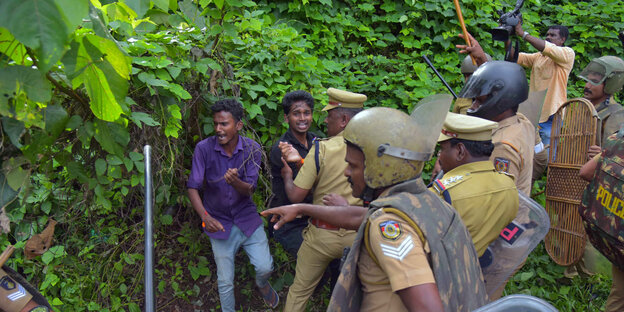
x: 346, y: 99
x: 466, y: 127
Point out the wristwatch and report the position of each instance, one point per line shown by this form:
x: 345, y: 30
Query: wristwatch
x: 524, y: 35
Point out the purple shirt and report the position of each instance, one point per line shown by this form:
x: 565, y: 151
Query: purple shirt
x: 221, y: 200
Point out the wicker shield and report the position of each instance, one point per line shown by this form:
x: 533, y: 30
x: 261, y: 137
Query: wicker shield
x: 574, y: 129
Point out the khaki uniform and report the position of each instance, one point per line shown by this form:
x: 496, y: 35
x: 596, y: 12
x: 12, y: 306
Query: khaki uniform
x: 381, y: 282
x: 330, y: 177
x: 549, y: 70
x: 447, y: 256
x: 514, y: 142
x: 320, y: 246
x: 13, y: 295
x: 486, y: 204
x: 462, y: 105
x: 615, y: 301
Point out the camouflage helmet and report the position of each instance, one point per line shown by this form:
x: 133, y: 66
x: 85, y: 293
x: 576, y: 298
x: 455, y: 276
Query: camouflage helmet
x: 610, y: 68
x: 467, y: 68
x: 504, y: 83
x: 395, y: 145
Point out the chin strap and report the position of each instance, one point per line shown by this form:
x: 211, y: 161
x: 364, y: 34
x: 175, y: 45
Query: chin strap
x: 367, y: 195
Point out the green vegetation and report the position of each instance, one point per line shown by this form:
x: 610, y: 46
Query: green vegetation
x: 84, y: 85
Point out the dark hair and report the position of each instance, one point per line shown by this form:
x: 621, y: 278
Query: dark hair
x: 563, y: 31
x: 296, y: 96
x: 231, y: 106
x: 475, y: 148
x: 349, y: 112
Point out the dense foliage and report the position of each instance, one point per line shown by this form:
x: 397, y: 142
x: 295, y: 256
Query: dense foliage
x: 85, y: 85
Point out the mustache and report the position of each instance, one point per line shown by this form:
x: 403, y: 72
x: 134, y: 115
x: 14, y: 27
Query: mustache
x: 586, y: 90
x: 349, y: 180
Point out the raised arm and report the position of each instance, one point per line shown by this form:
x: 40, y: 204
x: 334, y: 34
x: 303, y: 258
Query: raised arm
x: 347, y: 217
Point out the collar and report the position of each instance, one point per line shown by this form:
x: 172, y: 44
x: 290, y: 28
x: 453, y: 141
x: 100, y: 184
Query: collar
x: 508, y: 122
x: 290, y: 136
x: 477, y: 166
x: 239, y: 146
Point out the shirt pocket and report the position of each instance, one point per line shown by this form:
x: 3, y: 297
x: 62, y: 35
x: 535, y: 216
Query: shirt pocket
x: 544, y: 69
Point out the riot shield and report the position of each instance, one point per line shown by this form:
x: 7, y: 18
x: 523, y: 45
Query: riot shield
x: 514, y: 243
x: 532, y: 107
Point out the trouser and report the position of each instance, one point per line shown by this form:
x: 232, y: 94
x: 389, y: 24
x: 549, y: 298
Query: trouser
x: 545, y: 129
x: 615, y: 302
x: 319, y: 247
x: 257, y: 248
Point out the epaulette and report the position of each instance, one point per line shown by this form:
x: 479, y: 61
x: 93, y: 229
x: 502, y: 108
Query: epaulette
x: 439, y: 186
x: 375, y: 214
x: 454, y: 180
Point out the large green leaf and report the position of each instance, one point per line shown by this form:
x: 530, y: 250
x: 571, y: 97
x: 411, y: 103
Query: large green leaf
x: 33, y: 82
x: 39, y: 25
x: 106, y: 138
x: 12, y: 48
x: 55, y: 120
x: 73, y: 12
x: 139, y: 6
x: 162, y: 4
x: 104, y: 69
x: 14, y: 129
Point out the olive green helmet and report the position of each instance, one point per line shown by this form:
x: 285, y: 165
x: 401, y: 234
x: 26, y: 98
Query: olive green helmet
x: 395, y: 145
x: 467, y: 68
x: 610, y: 68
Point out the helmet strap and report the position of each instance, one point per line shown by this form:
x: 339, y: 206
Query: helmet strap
x: 368, y: 195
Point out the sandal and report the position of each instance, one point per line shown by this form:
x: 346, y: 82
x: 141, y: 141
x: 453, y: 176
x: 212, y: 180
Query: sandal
x: 271, y: 298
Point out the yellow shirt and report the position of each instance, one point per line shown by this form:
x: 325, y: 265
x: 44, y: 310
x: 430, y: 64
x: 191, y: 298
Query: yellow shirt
x: 514, y: 144
x: 485, y: 199
x: 403, y: 261
x: 330, y: 177
x: 549, y: 70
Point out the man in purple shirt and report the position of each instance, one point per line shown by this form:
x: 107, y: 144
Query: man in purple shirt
x: 225, y: 170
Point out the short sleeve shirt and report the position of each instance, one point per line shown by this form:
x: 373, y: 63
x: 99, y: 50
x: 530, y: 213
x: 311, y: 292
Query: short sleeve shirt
x: 220, y: 199
x: 549, y: 70
x: 402, y: 263
x: 330, y: 177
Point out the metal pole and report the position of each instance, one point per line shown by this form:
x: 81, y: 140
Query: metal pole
x: 439, y: 76
x: 150, y: 304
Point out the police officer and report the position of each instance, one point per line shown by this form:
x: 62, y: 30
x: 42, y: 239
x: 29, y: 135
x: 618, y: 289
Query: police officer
x: 602, y: 211
x: 467, y: 69
x: 485, y: 199
x: 322, y: 172
x: 604, y: 77
x: 398, y: 261
x: 496, y: 89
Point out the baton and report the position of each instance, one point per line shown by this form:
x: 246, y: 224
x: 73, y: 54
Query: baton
x: 463, y: 27
x: 439, y: 76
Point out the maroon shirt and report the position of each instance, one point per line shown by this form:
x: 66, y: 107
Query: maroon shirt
x: 221, y: 200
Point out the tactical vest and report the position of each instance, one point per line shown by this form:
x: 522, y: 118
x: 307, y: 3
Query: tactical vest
x: 602, y: 206
x: 453, y: 258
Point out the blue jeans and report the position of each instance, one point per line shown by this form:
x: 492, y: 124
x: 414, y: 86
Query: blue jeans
x: 257, y: 248
x: 544, y: 132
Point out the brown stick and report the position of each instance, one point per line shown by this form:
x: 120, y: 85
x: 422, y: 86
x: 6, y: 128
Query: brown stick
x: 6, y: 254
x: 463, y: 27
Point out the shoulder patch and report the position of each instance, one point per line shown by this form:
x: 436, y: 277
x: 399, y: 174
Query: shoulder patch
x: 452, y: 180
x: 390, y: 229
x: 501, y: 164
x: 398, y: 252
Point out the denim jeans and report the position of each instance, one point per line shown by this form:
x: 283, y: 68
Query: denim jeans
x: 257, y: 248
x: 544, y: 132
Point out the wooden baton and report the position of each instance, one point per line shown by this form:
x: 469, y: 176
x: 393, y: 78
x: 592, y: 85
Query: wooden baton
x: 463, y: 27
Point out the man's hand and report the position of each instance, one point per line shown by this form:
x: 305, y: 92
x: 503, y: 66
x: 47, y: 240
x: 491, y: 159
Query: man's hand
x: 231, y: 176
x: 593, y: 151
x: 281, y: 215
x: 211, y: 224
x: 289, y: 153
x: 286, y: 170
x: 334, y: 200
x: 474, y: 50
x: 518, y: 29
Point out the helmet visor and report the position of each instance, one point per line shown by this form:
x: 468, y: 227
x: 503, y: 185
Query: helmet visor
x: 474, y: 87
x: 429, y: 115
x: 594, y: 73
